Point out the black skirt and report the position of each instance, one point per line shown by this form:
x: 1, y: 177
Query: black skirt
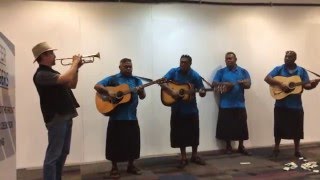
x: 288, y: 123
x: 232, y: 124
x: 184, y: 131
x: 123, y: 140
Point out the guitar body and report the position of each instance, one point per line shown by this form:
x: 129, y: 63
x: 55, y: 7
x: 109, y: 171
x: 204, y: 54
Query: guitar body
x: 291, y: 82
x: 119, y: 95
x: 168, y: 100
x: 106, y: 105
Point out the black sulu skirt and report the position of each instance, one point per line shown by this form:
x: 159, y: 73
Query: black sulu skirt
x: 232, y: 124
x: 123, y: 140
x: 184, y: 131
x: 288, y: 123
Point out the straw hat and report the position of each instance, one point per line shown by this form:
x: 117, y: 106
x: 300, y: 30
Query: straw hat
x: 41, y: 48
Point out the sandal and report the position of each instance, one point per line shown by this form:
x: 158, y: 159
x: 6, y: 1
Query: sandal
x: 275, y: 153
x: 242, y: 150
x: 228, y: 150
x: 133, y: 170
x: 198, y: 160
x: 114, y: 174
x: 298, y: 154
x: 183, y: 163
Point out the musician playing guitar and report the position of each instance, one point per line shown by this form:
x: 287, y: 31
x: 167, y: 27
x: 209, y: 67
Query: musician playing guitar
x: 288, y: 111
x: 184, y: 114
x: 123, y: 133
x: 231, y: 81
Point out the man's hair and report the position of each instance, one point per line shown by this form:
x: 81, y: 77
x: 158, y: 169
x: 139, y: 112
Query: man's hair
x: 124, y: 60
x: 187, y: 57
x: 230, y: 52
x: 293, y: 53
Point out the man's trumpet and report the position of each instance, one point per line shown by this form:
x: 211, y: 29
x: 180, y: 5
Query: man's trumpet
x: 85, y: 59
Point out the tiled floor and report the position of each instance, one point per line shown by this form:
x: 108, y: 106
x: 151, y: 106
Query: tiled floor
x: 219, y: 166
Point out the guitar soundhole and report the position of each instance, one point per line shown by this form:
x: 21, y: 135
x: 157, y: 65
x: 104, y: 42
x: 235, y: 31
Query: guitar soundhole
x: 181, y: 92
x: 119, y: 95
x: 291, y: 85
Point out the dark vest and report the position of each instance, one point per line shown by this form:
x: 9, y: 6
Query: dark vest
x: 54, y: 99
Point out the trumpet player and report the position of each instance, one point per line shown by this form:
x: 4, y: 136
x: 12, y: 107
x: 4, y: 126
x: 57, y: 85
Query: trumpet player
x: 58, y: 106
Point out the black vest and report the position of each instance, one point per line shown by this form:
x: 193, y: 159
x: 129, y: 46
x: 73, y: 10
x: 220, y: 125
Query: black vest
x: 54, y: 99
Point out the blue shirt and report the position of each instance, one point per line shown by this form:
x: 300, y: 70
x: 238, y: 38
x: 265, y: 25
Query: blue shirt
x: 235, y: 97
x: 126, y: 111
x: 185, y: 108
x: 293, y: 100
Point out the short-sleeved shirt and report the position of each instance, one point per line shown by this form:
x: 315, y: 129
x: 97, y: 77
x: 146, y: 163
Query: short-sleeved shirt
x: 126, y: 111
x: 293, y: 100
x: 185, y: 108
x: 47, y: 78
x: 235, y: 97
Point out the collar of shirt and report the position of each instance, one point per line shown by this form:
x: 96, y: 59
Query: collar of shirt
x: 233, y: 69
x: 122, y: 75
x: 291, y: 71
x: 180, y: 71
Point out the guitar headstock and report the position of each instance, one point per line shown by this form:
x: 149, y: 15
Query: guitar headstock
x: 161, y: 81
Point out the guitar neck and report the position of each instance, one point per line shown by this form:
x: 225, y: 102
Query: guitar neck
x: 206, y: 89
x: 302, y: 83
x: 148, y: 84
x: 143, y: 86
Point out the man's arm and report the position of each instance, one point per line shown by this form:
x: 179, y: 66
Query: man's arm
x: 312, y: 84
x: 200, y: 86
x: 170, y: 91
x: 141, y: 93
x: 101, y: 89
x: 222, y: 87
x: 272, y: 82
x: 245, y: 83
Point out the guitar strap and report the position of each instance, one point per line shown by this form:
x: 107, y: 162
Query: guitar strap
x: 313, y: 73
x: 144, y: 79
x: 206, y: 81
x: 150, y: 80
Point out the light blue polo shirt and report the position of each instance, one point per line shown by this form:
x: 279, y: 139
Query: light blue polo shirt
x: 185, y: 108
x: 235, y: 97
x: 126, y: 111
x: 293, y: 100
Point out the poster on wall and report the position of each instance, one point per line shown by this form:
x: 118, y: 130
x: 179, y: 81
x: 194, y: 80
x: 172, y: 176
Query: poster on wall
x: 7, y: 110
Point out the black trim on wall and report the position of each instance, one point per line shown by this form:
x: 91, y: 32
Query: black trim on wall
x: 201, y: 2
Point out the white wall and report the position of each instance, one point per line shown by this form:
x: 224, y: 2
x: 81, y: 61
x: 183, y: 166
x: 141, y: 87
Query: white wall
x: 155, y: 36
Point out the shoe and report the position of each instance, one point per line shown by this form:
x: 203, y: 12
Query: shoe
x: 183, y: 163
x: 114, y: 174
x: 275, y: 153
x: 298, y: 154
x: 133, y: 170
x: 228, y: 150
x: 243, y: 151
x: 197, y: 160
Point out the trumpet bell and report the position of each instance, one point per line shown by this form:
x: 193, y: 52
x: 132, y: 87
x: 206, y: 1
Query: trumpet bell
x: 97, y: 55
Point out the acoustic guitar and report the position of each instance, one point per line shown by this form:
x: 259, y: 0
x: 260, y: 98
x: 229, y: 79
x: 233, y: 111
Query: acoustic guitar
x: 118, y: 95
x: 293, y: 82
x: 186, y: 92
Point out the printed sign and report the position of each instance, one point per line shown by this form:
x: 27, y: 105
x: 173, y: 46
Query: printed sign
x: 7, y: 110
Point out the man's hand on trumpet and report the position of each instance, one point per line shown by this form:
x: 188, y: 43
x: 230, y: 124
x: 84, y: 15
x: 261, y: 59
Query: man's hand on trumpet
x: 77, y: 61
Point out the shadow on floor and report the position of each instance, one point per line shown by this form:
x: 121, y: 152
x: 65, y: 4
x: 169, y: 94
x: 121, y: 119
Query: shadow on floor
x: 219, y: 166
